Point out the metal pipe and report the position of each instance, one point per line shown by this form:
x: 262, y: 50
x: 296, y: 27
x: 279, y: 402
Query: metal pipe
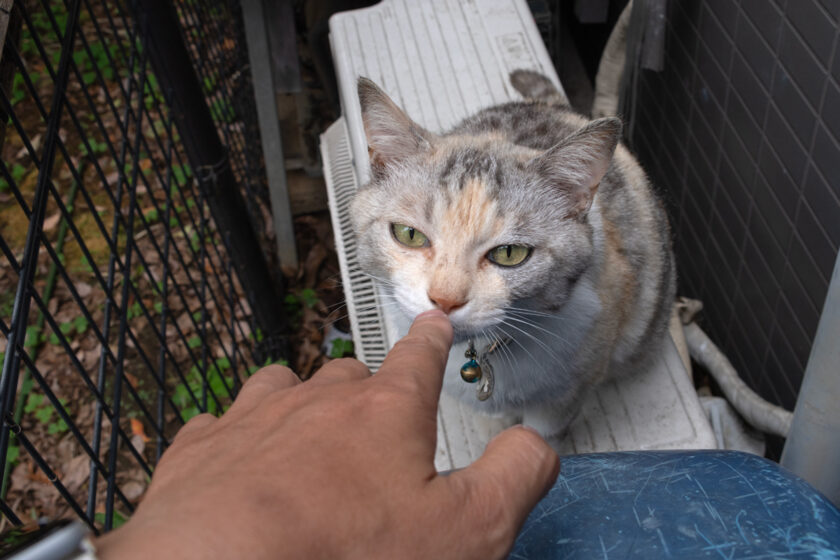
x: 812, y: 449
x: 259, y: 56
x: 762, y: 415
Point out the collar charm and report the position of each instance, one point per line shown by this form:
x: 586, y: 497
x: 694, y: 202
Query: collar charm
x: 471, y: 371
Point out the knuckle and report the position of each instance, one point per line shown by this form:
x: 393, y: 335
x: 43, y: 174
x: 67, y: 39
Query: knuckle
x: 269, y: 375
x: 200, y: 419
x: 194, y: 425
x: 381, y: 396
x: 352, y: 365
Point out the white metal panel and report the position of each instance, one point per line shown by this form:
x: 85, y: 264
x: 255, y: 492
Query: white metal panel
x: 442, y: 60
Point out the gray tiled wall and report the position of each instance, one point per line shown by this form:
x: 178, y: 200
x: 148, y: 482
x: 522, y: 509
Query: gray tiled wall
x: 741, y: 133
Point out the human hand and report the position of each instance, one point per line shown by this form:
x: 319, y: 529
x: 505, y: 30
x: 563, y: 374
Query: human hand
x: 341, y: 466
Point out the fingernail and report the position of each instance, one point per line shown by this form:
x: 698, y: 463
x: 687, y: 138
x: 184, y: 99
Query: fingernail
x: 430, y: 313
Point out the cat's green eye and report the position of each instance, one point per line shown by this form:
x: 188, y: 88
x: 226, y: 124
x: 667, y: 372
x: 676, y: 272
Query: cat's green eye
x: 409, y: 236
x: 509, y: 255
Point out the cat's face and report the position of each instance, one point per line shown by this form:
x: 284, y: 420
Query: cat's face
x: 472, y: 225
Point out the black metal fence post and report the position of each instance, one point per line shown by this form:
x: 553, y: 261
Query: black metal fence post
x: 171, y: 62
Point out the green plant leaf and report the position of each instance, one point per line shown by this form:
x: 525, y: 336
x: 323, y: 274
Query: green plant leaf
x: 33, y: 336
x: 118, y: 519
x: 309, y: 297
x: 80, y: 323
x: 340, y: 348
x: 134, y: 310
x: 12, y: 454
x: 190, y: 412
x: 43, y: 414
x: 18, y: 173
x: 223, y: 364
x: 194, y: 342
x: 57, y: 427
x: 181, y: 395
x: 32, y: 402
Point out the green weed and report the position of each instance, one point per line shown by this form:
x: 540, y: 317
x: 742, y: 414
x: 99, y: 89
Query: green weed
x: 134, y: 310
x: 117, y: 521
x: 341, y: 348
x: 219, y: 381
x: 43, y: 411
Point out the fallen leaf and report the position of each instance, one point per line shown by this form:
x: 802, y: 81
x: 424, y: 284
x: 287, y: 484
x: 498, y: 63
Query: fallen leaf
x: 132, y: 490
x: 184, y: 322
x: 312, y: 263
x: 83, y: 289
x: 138, y: 443
x: 132, y: 380
x: 137, y: 429
x: 76, y: 472
x: 52, y: 221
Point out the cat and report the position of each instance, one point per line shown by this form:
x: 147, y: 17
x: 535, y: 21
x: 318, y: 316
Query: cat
x: 532, y: 227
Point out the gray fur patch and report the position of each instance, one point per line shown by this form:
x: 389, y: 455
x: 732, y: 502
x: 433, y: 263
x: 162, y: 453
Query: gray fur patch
x: 593, y: 298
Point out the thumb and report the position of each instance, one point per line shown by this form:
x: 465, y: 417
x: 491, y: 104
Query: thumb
x: 515, y: 471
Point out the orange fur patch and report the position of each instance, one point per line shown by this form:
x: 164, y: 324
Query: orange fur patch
x: 471, y: 217
x: 622, y: 281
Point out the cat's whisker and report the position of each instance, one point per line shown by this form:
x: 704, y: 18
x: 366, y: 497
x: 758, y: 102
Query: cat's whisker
x: 334, y: 321
x: 379, y: 279
x: 359, y: 309
x: 544, y: 346
x: 336, y: 305
x: 524, y: 349
x: 529, y: 312
x: 539, y: 328
x: 504, y: 352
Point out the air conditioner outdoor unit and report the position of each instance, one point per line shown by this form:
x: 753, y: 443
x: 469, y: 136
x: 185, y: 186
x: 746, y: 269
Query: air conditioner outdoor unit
x: 442, y: 60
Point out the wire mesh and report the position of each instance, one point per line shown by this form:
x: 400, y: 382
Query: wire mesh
x: 121, y: 314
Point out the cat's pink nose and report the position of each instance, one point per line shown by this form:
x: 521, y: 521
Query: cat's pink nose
x: 447, y: 305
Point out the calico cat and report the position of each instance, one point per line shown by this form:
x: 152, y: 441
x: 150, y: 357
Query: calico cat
x: 534, y: 229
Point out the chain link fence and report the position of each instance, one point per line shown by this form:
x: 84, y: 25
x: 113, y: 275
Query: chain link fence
x: 133, y: 235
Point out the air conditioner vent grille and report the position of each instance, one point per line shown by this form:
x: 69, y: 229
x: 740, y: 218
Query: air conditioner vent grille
x: 370, y: 342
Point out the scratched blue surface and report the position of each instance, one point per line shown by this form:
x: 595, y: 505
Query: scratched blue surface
x: 676, y: 504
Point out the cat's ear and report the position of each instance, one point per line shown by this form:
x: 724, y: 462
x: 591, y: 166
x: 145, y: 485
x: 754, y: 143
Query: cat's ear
x: 577, y: 164
x: 391, y: 134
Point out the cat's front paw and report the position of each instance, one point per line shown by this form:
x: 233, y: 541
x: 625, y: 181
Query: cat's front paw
x: 551, y: 422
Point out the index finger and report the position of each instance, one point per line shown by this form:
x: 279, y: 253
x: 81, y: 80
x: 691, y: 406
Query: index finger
x: 417, y: 360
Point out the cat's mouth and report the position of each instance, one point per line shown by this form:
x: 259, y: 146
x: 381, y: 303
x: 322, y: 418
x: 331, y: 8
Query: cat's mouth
x: 463, y: 332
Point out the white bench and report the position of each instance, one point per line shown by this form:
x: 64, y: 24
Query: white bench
x: 442, y: 60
